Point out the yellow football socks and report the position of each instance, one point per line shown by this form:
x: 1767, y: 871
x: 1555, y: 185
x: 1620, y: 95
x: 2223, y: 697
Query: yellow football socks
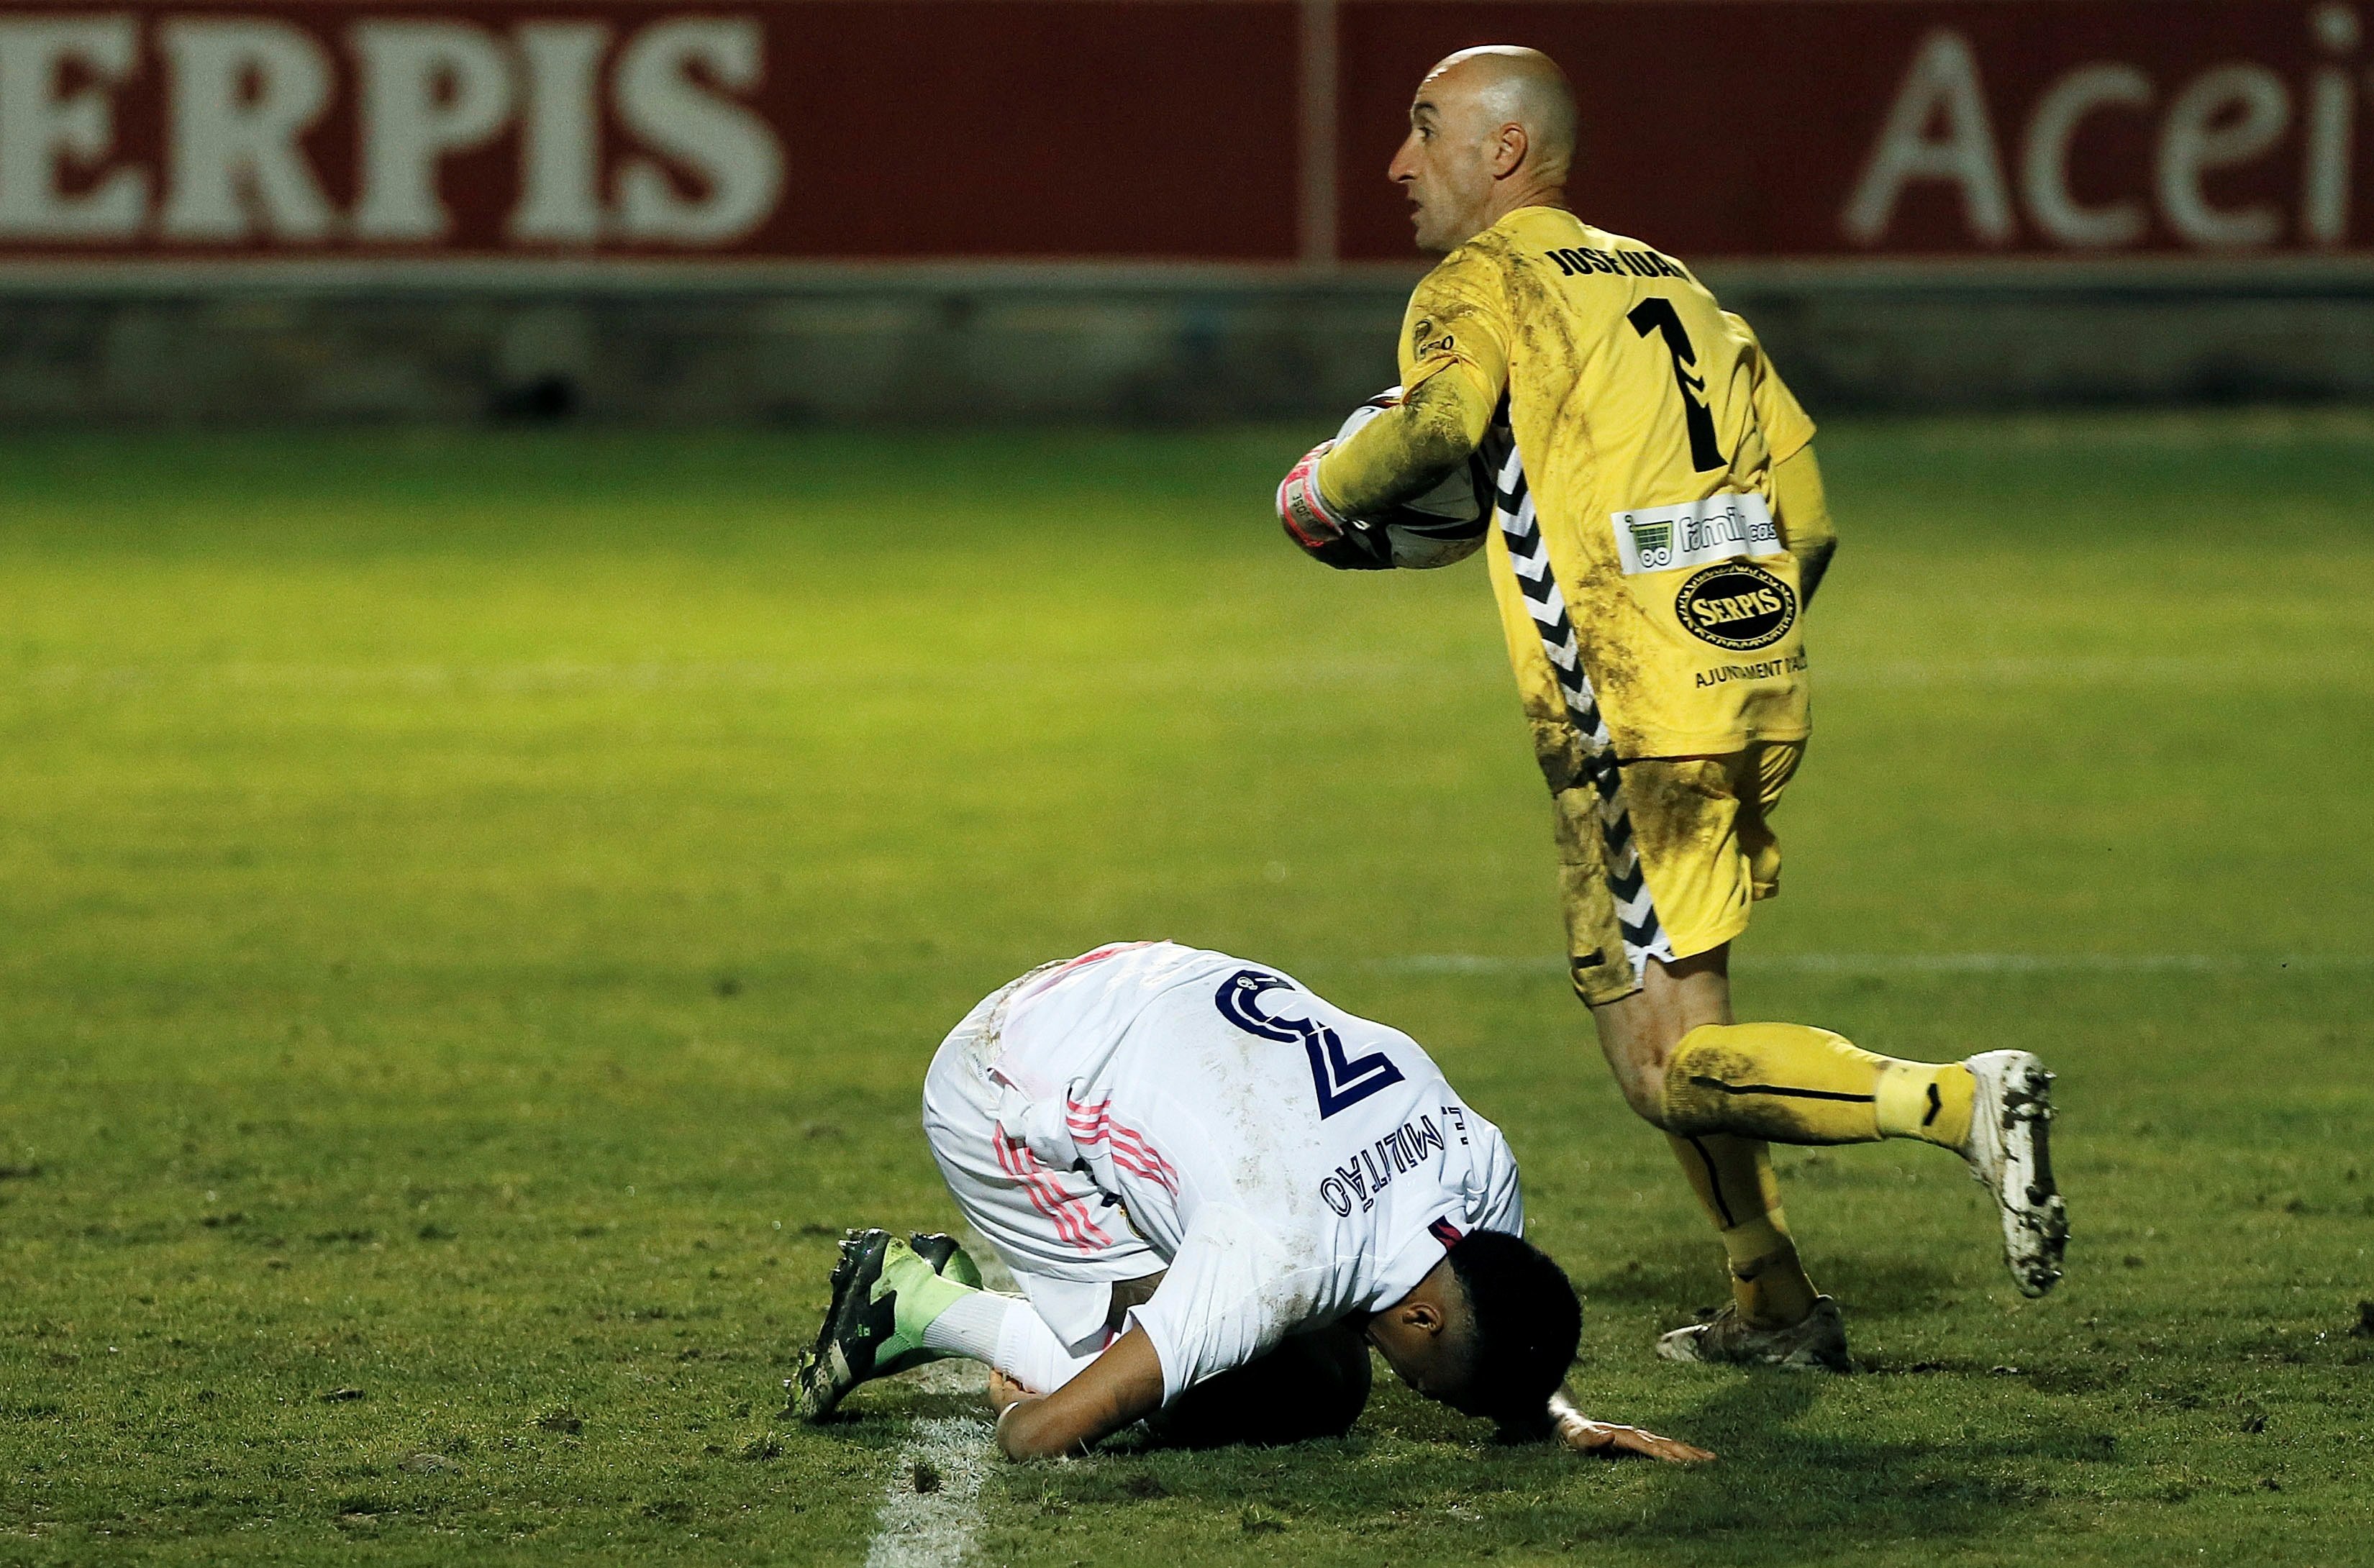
x: 1732, y: 1177
x: 1788, y: 1083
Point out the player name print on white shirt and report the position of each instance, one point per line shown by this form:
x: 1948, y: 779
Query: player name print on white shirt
x: 1720, y: 528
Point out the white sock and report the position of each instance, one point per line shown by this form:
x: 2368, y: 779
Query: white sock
x: 1029, y: 1353
x: 970, y: 1328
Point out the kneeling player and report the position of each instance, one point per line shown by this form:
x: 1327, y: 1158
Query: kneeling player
x: 1212, y: 1186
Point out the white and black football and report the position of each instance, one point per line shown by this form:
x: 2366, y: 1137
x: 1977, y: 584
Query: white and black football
x: 1444, y: 525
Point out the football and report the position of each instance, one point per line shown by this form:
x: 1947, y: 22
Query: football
x: 1436, y: 529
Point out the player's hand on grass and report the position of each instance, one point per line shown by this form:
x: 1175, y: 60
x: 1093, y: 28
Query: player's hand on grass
x: 1003, y: 1392
x: 1611, y: 1440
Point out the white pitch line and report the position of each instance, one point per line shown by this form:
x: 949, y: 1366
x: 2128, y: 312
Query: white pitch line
x: 917, y: 1528
x: 1925, y: 963
x: 2242, y: 672
x: 933, y: 1528
x: 2054, y: 962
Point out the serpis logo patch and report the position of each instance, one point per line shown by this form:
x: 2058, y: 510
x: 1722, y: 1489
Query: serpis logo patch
x: 1736, y: 606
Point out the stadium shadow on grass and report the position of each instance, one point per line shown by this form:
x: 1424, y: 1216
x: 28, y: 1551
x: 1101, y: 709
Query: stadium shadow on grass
x: 1824, y: 1496
x: 1779, y: 1482
x: 1676, y: 1278
x: 1874, y: 1290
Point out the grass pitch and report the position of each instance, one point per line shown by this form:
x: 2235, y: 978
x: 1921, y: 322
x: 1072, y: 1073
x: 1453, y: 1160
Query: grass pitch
x: 476, y: 909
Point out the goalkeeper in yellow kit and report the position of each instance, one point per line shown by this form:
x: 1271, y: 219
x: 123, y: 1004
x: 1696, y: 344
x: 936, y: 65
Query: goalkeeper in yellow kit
x: 1660, y: 528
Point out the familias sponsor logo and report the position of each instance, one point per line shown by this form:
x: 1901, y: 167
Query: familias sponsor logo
x: 1720, y: 528
x: 1762, y: 670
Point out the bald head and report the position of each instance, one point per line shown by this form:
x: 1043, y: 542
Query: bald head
x: 1505, y: 84
x: 1492, y: 129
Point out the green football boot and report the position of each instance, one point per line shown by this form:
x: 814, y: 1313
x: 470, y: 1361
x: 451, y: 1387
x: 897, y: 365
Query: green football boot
x: 947, y: 1258
x: 885, y: 1294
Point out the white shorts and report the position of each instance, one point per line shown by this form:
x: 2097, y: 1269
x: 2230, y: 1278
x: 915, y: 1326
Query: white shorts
x: 1066, y: 1242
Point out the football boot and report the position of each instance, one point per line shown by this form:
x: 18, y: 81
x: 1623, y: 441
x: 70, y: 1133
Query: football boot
x: 2011, y: 1120
x: 884, y: 1295
x: 947, y: 1258
x: 1817, y: 1343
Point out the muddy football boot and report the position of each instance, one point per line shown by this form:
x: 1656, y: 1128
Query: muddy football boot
x: 946, y: 1256
x: 1816, y: 1344
x: 2011, y: 1121
x: 884, y: 1296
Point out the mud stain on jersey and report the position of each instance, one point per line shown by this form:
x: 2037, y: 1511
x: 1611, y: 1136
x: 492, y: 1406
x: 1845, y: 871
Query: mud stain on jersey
x: 1547, y: 333
x: 1557, y: 748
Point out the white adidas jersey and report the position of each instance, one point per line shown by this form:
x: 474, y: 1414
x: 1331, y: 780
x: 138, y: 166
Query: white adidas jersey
x: 1290, y: 1163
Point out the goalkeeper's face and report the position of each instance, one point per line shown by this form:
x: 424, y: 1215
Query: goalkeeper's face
x: 1492, y: 130
x: 1445, y: 167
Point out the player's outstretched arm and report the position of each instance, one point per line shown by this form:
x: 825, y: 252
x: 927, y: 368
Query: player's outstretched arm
x: 1120, y: 1385
x: 1610, y: 1441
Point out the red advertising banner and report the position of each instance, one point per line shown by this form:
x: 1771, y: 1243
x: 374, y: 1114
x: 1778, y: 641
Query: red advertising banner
x: 840, y: 128
x: 1230, y: 131
x: 1860, y: 127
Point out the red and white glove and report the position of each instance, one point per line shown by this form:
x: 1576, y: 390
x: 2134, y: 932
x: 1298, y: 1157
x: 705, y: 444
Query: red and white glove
x: 1308, y: 519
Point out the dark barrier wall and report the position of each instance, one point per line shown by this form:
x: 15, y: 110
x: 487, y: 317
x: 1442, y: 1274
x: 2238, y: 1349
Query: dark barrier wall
x: 1221, y: 130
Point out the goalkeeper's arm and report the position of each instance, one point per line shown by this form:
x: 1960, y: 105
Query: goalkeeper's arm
x: 1805, y: 517
x: 1409, y: 448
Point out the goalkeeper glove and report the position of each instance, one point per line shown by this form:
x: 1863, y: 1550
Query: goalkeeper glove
x: 1312, y: 523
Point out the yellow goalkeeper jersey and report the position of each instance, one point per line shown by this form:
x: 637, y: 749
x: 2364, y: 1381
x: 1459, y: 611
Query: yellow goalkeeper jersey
x: 1638, y: 427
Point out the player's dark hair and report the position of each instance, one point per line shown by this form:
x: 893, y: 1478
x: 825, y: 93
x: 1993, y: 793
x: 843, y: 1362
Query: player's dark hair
x: 1525, y: 1323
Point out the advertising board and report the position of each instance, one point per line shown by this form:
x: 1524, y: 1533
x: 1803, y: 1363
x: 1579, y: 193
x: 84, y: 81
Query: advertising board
x: 1236, y: 134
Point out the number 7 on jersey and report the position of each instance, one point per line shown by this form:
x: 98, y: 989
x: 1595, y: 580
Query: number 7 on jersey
x: 1658, y: 315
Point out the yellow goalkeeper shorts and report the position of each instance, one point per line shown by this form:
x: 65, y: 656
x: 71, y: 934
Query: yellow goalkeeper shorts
x: 1671, y: 874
